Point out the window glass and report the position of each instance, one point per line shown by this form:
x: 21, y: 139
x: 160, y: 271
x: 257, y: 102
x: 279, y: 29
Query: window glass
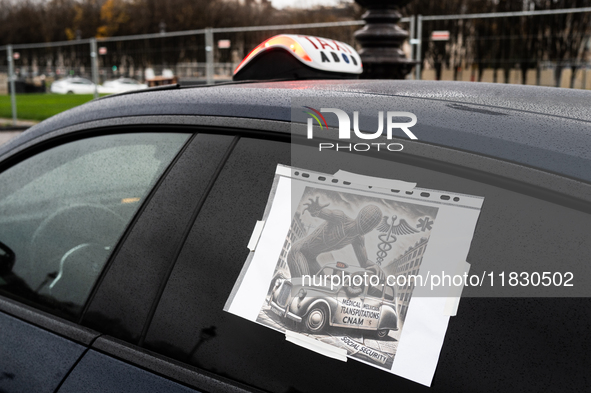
x: 63, y: 210
x: 190, y: 325
x: 389, y: 293
x: 327, y: 271
x: 375, y: 291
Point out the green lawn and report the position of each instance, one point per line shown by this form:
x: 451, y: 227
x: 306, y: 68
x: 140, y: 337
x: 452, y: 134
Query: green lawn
x: 41, y: 106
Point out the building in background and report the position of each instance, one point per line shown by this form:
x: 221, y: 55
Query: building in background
x: 408, y: 264
x: 297, y: 230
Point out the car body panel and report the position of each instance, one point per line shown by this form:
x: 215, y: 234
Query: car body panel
x: 88, y: 376
x: 33, y: 359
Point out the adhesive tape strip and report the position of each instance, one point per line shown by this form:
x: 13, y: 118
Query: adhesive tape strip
x: 283, y: 170
x: 256, y: 234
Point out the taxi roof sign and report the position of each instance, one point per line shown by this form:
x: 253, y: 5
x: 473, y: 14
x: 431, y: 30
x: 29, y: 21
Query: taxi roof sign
x: 315, y: 57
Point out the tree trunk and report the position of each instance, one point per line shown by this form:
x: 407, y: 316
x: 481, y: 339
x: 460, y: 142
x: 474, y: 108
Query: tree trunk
x: 438, y: 67
x: 573, y: 76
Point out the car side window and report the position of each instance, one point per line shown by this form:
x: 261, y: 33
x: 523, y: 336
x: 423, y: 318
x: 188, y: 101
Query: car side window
x: 375, y: 291
x: 389, y: 293
x: 189, y: 323
x: 62, y: 212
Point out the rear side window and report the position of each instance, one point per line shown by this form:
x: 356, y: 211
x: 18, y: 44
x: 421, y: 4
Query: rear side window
x: 191, y: 326
x: 63, y: 210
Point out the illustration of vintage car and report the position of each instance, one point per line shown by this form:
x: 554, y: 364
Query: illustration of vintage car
x: 315, y: 304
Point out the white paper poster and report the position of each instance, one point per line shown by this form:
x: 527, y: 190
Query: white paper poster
x: 351, y: 266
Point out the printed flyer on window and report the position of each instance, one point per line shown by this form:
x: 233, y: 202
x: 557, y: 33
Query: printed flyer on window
x: 351, y: 266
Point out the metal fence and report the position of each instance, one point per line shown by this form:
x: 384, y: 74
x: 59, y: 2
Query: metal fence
x: 197, y: 53
x: 510, y: 47
x: 207, y: 56
x: 195, y: 56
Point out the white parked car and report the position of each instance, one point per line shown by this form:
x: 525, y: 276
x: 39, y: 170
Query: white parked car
x: 73, y: 85
x: 121, y: 85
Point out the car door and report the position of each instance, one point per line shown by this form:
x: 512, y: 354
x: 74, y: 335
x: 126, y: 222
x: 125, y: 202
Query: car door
x: 64, y: 208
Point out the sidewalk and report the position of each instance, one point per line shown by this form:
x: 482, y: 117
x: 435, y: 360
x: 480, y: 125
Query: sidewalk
x: 5, y: 136
x: 5, y: 122
x: 8, y: 134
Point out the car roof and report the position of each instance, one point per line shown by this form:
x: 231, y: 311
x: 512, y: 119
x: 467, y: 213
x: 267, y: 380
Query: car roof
x: 541, y: 127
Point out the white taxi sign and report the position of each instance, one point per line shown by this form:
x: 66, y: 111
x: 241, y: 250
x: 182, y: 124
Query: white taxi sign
x: 320, y: 53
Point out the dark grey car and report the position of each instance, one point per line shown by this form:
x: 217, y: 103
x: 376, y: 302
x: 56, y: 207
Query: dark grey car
x: 124, y: 224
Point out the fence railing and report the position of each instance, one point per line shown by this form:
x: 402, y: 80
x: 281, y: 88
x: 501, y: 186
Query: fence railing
x: 194, y: 57
x: 421, y: 19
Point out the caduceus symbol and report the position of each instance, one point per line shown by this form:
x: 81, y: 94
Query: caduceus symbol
x: 389, y: 235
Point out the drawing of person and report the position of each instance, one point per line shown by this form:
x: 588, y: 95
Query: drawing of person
x: 338, y: 231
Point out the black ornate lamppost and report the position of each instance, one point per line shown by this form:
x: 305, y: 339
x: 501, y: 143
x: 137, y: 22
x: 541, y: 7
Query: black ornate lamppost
x: 381, y: 40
